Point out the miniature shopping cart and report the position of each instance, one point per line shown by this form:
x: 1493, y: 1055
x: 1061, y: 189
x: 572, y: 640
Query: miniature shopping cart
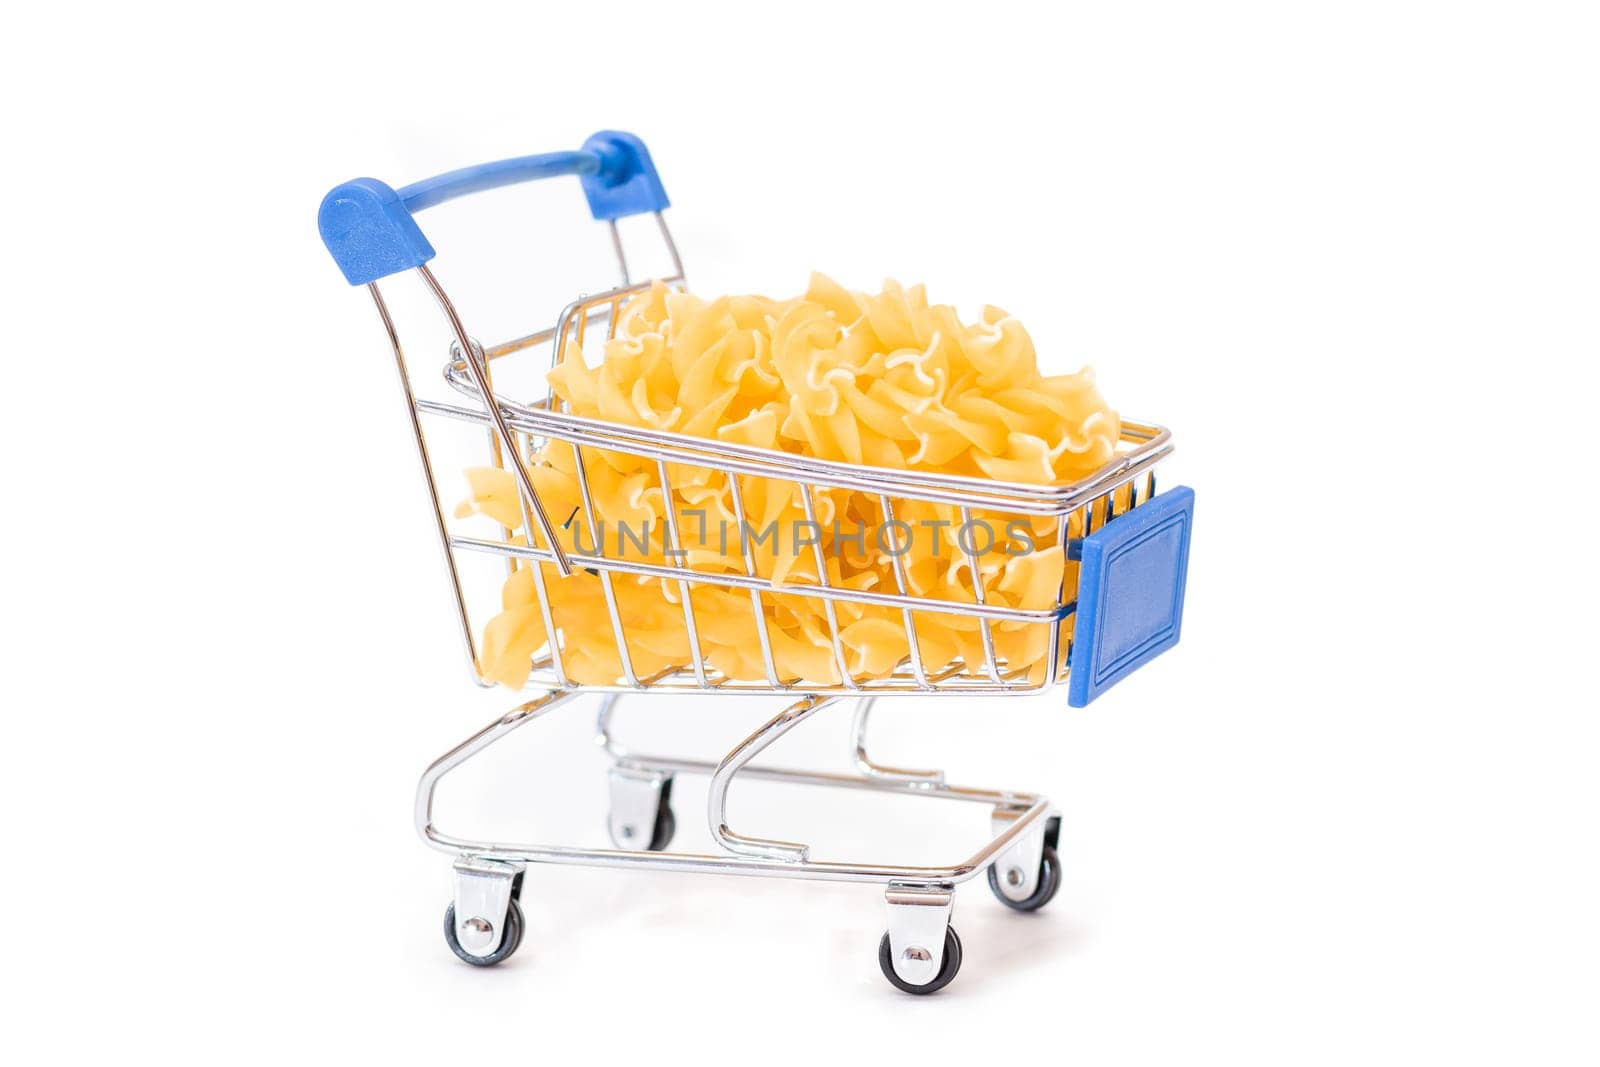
x: 1120, y: 605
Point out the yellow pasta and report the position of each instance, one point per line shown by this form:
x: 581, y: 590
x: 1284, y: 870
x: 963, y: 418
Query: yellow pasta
x: 886, y: 380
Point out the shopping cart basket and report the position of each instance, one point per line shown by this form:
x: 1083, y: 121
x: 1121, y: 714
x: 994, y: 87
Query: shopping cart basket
x: 1120, y: 605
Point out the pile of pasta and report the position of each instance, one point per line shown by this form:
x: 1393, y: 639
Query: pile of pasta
x: 883, y: 379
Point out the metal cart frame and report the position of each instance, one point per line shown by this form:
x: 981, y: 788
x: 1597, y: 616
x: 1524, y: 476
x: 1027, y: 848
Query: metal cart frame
x: 1131, y: 547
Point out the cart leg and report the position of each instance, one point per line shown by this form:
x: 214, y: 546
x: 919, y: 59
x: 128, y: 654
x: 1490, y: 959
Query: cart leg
x: 748, y: 749
x: 869, y: 769
x: 920, y: 953
x: 602, y: 726
x: 512, y: 720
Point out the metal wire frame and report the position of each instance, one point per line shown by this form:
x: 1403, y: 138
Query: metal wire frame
x: 1147, y: 443
x: 750, y: 855
x: 516, y: 429
x: 916, y: 676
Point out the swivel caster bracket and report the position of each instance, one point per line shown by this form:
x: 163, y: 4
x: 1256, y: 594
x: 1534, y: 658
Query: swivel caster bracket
x: 483, y: 892
x: 919, y: 915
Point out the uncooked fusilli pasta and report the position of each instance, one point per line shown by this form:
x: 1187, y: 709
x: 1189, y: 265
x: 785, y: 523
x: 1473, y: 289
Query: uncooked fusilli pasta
x: 886, y: 380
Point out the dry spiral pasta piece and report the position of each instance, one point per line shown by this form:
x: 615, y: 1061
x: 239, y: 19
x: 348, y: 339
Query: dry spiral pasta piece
x: 883, y: 379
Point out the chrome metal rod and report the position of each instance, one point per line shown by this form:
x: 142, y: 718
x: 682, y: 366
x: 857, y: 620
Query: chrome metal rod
x: 491, y: 405
x: 722, y: 777
x: 606, y: 564
x: 828, y: 609
x: 898, y: 563
x: 933, y: 786
x: 873, y: 770
x: 672, y: 246
x: 521, y: 715
x: 1030, y: 809
x: 756, y: 608
x: 1150, y: 444
x: 616, y: 246
x: 433, y: 487
x: 701, y: 863
x: 977, y: 595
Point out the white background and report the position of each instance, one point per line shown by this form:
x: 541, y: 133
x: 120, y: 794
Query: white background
x: 1347, y: 251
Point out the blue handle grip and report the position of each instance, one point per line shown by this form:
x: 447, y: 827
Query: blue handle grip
x: 436, y: 190
x: 369, y: 230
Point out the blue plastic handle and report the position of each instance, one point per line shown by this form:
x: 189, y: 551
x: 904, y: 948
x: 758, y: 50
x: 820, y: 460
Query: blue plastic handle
x: 369, y: 230
x: 422, y: 195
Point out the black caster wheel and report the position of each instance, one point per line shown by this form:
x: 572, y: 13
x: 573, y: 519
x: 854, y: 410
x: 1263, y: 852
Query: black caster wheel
x: 665, y: 825
x: 509, y: 940
x: 1049, y: 882
x: 947, y: 969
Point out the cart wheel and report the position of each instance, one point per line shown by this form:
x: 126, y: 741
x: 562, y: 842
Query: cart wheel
x: 508, y: 940
x: 947, y: 969
x: 666, y: 826
x: 1049, y: 882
